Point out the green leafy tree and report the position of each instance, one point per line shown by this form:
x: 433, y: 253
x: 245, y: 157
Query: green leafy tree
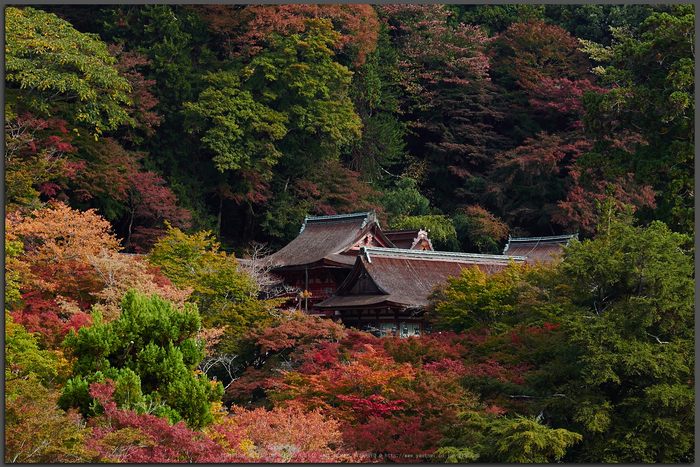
x: 521, y: 295
x: 13, y: 250
x: 225, y: 295
x: 405, y: 200
x: 651, y: 74
x: 626, y: 371
x: 277, y: 117
x: 48, y: 63
x: 237, y: 130
x: 486, y: 438
x: 196, y: 261
x: 150, y: 351
x: 296, y: 75
x: 476, y: 299
x: 239, y: 134
x: 442, y: 231
x: 23, y: 358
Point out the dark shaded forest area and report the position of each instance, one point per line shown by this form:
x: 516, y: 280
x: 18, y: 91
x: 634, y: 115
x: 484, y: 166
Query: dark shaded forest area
x: 474, y: 121
x: 193, y: 135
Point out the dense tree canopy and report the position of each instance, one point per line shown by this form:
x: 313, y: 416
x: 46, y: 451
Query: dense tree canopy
x: 612, y: 338
x: 633, y: 333
x: 653, y: 71
x: 262, y: 98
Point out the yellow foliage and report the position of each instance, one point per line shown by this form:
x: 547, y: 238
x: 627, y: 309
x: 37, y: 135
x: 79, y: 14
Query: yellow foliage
x: 247, y: 446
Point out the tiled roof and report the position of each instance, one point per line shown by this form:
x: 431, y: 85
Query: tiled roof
x: 408, y: 238
x: 329, y: 239
x: 405, y: 278
x: 538, y: 248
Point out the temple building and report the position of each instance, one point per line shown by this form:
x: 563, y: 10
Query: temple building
x: 346, y: 268
x: 387, y: 290
x: 322, y: 255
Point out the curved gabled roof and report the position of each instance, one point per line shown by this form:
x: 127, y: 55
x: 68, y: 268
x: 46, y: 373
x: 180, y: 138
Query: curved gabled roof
x: 538, y: 248
x: 329, y: 240
x: 404, y: 278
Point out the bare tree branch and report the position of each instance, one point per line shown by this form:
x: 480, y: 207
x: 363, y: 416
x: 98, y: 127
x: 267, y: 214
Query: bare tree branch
x: 657, y: 339
x: 225, y: 361
x: 258, y: 264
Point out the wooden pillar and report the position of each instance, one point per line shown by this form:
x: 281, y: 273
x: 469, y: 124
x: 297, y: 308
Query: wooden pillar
x: 306, y: 290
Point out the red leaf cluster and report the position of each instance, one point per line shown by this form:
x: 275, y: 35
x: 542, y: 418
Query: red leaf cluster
x: 578, y: 211
x: 401, y: 439
x: 142, y: 100
x: 532, y: 51
x: 152, y: 203
x: 245, y: 29
x: 153, y: 439
x: 36, y: 151
x: 41, y: 317
x: 280, y: 435
x: 333, y: 189
x: 428, y: 349
x: 559, y: 98
x: 386, y: 406
x: 433, y: 51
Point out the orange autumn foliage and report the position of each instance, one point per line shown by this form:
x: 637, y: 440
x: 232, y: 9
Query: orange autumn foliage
x: 67, y: 262
x: 287, y: 434
x: 51, y: 269
x: 58, y: 233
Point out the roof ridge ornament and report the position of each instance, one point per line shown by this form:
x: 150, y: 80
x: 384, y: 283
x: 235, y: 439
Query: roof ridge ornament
x: 363, y: 251
x: 369, y: 218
